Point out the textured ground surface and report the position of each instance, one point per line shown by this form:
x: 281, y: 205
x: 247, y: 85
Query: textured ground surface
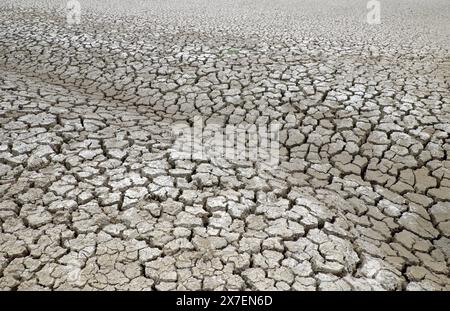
x: 90, y: 197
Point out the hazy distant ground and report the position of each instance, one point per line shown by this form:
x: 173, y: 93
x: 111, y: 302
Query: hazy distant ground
x: 403, y: 21
x: 93, y: 195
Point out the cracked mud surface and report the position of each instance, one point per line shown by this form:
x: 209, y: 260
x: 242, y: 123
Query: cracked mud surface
x: 91, y: 198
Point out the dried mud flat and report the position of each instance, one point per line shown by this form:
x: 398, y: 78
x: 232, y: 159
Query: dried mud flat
x: 92, y: 199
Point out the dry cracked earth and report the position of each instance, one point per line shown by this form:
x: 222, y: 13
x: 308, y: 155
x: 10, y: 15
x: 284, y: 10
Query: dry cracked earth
x: 92, y: 199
